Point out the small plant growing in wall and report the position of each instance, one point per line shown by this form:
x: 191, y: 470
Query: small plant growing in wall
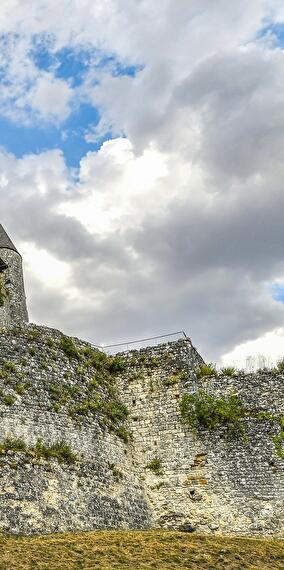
x: 228, y: 371
x: 123, y: 433
x: 20, y: 388
x: 12, y: 445
x: 155, y: 466
x: 206, y: 370
x: 50, y: 342
x: 67, y: 345
x: 278, y: 440
x: 9, y: 366
x: 280, y: 365
x: 59, y: 450
x: 117, y: 364
x: 153, y: 362
x: 9, y: 400
x: 175, y: 378
x: 117, y: 474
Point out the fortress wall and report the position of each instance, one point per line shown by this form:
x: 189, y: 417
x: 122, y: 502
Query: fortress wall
x: 100, y: 490
x: 209, y: 481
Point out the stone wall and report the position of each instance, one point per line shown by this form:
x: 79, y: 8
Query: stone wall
x: 209, y: 482
x: 205, y: 481
x: 14, y: 310
x: 101, y: 489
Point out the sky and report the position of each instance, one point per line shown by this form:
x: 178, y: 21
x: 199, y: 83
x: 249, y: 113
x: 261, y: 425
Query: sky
x: 141, y: 168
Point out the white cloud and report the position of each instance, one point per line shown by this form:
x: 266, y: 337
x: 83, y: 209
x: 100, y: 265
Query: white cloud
x: 51, y: 97
x: 176, y: 223
x: 267, y: 350
x: 119, y: 188
x: 45, y: 268
x: 28, y: 94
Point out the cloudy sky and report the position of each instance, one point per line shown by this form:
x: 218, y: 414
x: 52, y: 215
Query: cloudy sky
x: 141, y: 167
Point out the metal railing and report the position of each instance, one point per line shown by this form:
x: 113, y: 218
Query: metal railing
x: 141, y: 343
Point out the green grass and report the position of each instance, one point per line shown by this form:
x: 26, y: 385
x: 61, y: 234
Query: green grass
x: 67, y: 345
x: 280, y: 366
x: 9, y: 400
x: 135, y: 550
x: 58, y: 450
x: 228, y: 371
x: 206, y: 370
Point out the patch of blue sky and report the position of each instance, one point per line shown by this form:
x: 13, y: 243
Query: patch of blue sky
x: 277, y: 290
x: 118, y: 67
x: 21, y: 140
x: 72, y: 64
x: 275, y: 31
x: 69, y: 138
x: 130, y: 70
x: 43, y: 58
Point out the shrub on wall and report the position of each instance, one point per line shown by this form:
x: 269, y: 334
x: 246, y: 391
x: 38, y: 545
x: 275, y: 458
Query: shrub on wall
x: 155, y: 466
x: 206, y: 411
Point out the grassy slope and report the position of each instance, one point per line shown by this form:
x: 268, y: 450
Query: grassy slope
x: 159, y: 550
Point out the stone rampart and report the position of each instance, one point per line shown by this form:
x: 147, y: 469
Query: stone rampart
x: 208, y: 481
x: 100, y: 489
x: 149, y: 469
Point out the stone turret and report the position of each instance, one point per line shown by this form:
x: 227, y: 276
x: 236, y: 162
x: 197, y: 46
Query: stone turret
x: 13, y: 308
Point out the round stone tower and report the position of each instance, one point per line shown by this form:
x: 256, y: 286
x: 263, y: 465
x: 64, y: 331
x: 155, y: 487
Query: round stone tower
x: 13, y: 308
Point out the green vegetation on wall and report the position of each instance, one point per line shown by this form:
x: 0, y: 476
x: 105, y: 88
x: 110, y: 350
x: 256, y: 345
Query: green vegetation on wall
x: 206, y: 370
x: 202, y: 410
x: 58, y: 450
x: 87, y: 387
x: 155, y: 466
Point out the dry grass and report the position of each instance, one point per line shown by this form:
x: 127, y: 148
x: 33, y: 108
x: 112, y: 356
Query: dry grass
x: 159, y: 550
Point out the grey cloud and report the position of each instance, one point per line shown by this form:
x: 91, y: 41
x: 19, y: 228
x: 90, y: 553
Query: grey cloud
x: 241, y: 112
x: 203, y: 266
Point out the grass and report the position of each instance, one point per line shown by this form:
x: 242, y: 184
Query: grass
x: 280, y: 366
x: 58, y: 450
x: 69, y: 348
x: 228, y: 371
x: 206, y: 370
x: 12, y: 445
x: 135, y: 550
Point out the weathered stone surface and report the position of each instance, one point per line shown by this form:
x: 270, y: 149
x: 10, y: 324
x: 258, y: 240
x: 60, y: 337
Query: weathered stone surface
x: 206, y: 481
x: 209, y: 481
x: 14, y: 310
x: 45, y: 496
